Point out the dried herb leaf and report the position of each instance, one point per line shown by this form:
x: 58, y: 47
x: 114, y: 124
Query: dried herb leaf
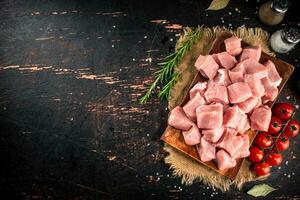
x: 218, y: 4
x: 260, y: 190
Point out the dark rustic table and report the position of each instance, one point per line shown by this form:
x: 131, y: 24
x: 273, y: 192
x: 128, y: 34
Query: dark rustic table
x: 71, y: 73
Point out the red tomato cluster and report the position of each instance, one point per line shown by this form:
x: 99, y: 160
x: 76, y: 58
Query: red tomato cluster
x: 265, y: 151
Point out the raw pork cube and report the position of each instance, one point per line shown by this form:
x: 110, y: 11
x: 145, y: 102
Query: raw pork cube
x: 216, y: 58
x: 260, y: 118
x: 243, y: 125
x: 255, y: 68
x: 227, y: 61
x: 244, y: 150
x: 273, y: 74
x: 207, y: 66
x: 237, y: 73
x: 259, y: 103
x: 248, y: 105
x: 271, y: 91
x: 233, y: 45
x: 251, y: 52
x: 179, y: 120
x: 206, y: 150
x: 255, y: 85
x: 224, y: 160
x: 222, y: 78
x: 225, y: 106
x: 192, y: 136
x: 230, y: 142
x: 199, y: 87
x: 192, y: 104
x: 232, y: 117
x: 216, y: 93
x: 213, y: 135
x: 230, y: 130
x: 209, y: 116
x: 238, y: 92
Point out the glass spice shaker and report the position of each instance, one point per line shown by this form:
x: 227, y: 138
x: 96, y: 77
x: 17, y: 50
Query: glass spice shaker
x: 272, y: 12
x: 284, y: 40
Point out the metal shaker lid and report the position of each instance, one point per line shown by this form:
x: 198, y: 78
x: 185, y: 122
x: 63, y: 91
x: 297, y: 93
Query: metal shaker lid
x: 280, y: 6
x: 291, y: 35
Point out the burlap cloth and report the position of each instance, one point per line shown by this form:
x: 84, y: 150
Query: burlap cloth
x: 183, y: 166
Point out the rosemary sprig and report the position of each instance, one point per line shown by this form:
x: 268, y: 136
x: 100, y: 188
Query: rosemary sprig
x: 147, y: 96
x: 165, y: 75
x: 165, y: 91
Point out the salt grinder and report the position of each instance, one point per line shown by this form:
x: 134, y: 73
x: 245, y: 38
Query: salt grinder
x: 284, y: 40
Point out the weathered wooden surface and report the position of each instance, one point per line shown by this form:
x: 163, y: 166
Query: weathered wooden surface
x: 70, y: 76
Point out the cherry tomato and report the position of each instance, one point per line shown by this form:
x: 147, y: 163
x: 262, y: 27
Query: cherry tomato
x: 283, y: 110
x: 263, y: 140
x: 261, y: 169
x: 274, y: 159
x: 292, y: 129
x: 256, y: 154
x: 275, y: 125
x: 282, y: 143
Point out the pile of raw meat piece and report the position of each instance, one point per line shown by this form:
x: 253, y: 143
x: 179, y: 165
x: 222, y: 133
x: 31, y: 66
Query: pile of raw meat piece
x: 230, y: 102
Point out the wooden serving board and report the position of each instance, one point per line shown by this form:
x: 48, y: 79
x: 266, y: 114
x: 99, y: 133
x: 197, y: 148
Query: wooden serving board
x: 174, y: 137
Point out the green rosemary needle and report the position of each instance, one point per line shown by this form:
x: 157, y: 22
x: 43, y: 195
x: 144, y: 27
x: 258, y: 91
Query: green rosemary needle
x: 147, y: 96
x: 165, y: 75
x: 165, y: 91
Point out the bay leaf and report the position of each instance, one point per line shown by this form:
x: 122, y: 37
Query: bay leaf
x: 260, y: 190
x: 218, y: 4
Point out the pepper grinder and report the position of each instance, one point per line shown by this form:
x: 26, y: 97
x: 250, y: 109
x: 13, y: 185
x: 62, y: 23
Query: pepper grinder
x: 272, y: 12
x: 284, y: 40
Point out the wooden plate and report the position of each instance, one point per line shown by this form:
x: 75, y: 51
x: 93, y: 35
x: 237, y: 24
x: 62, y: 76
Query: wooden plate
x: 174, y: 137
